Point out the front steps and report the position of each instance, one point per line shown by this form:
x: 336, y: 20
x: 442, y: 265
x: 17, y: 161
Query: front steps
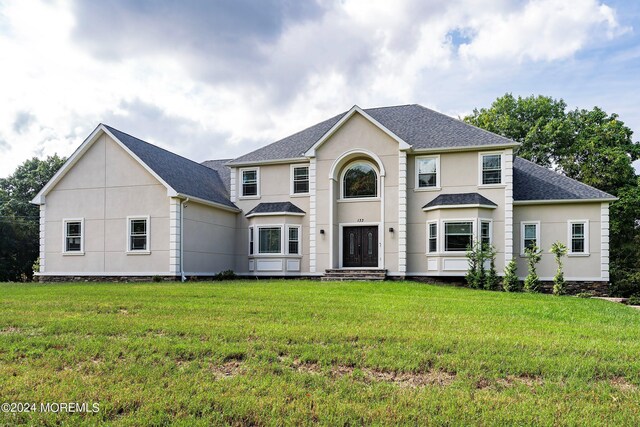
x: 338, y: 275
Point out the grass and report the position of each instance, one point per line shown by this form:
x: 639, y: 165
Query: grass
x: 296, y: 352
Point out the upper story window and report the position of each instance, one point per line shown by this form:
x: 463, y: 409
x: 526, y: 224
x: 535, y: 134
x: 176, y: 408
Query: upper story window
x: 138, y: 234
x: 491, y: 172
x: 529, y: 235
x: 300, y: 180
x: 579, y: 237
x: 250, y: 182
x: 428, y: 172
x: 73, y: 236
x: 360, y: 180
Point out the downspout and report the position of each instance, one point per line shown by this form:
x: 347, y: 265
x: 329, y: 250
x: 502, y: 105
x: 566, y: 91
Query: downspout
x: 183, y: 277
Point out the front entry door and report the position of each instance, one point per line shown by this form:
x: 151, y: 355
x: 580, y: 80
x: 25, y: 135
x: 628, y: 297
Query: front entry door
x: 360, y: 246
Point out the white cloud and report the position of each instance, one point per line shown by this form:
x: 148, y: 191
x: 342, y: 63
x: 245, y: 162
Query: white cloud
x: 357, y: 51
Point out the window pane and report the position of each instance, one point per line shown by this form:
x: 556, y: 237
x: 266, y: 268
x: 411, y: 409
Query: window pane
x: 485, y: 232
x: 492, y: 169
x: 73, y: 244
x: 249, y: 177
x: 530, y: 231
x: 360, y: 181
x: 577, y: 230
x: 138, y: 226
x: 577, y: 245
x: 458, y: 236
x: 492, y: 161
x: 249, y: 189
x: 301, y: 187
x: 293, y: 233
x: 427, y: 165
x: 433, y: 230
x: 250, y: 240
x: 293, y: 248
x: 301, y: 173
x: 301, y: 180
x: 74, y: 228
x: 269, y: 240
x: 138, y: 243
x: 427, y: 180
x: 250, y: 183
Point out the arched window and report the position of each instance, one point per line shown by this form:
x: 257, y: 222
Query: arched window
x: 360, y: 180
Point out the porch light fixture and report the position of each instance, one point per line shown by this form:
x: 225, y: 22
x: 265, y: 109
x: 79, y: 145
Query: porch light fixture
x: 390, y: 229
x: 321, y: 231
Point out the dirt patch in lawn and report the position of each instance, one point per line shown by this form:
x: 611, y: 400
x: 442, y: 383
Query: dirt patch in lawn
x: 10, y: 330
x: 622, y: 384
x: 227, y: 370
x: 402, y: 379
x: 530, y: 381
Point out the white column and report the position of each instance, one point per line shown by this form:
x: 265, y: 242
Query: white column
x: 312, y: 215
x: 42, y: 238
x: 174, y: 235
x: 233, y: 189
x: 402, y: 212
x: 604, y: 241
x: 508, y: 205
x: 331, y: 204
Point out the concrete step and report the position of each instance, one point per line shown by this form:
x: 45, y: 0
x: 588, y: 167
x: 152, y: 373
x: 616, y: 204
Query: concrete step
x: 354, y: 274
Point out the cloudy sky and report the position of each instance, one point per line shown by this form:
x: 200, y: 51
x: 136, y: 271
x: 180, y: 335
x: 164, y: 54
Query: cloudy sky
x: 215, y: 79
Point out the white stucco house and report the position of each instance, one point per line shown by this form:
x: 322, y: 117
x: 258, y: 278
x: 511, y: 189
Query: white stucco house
x: 387, y: 192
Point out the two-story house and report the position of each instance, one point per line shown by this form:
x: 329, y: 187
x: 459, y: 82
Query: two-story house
x: 396, y: 191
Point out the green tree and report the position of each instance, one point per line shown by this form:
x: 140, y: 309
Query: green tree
x: 19, y: 219
x: 591, y: 146
x: 510, y: 282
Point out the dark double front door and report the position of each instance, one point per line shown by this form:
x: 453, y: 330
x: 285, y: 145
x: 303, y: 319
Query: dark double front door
x: 360, y: 246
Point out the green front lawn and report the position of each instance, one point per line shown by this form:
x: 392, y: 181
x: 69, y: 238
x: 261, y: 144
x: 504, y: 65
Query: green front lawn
x: 297, y: 352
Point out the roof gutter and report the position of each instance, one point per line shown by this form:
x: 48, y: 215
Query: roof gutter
x: 557, y: 201
x: 208, y: 203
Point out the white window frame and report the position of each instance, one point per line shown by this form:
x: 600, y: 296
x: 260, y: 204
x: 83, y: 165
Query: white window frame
x: 292, y: 193
x: 299, y: 228
x: 442, y: 232
x: 587, y: 250
x: 429, y: 223
x: 416, y: 186
x: 251, y: 237
x: 256, y: 250
x: 128, y: 249
x: 241, y: 192
x: 360, y: 199
x: 538, y: 242
x: 64, y: 236
x: 490, y: 221
x: 502, y: 174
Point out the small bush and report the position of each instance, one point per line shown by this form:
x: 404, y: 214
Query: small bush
x: 225, y: 275
x: 584, y: 294
x: 559, y: 250
x: 477, y: 275
x: 156, y: 279
x: 634, y: 300
x: 510, y: 282
x: 532, y: 281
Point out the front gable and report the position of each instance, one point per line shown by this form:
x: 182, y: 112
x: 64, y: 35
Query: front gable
x: 355, y: 112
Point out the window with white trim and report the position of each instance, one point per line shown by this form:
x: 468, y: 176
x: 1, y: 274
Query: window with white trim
x: 138, y: 234
x: 428, y: 172
x: 432, y: 237
x: 360, y: 180
x: 300, y: 180
x: 249, y: 182
x: 270, y: 240
x: 491, y: 169
x: 250, y: 240
x: 293, y: 240
x: 73, y: 236
x: 485, y: 232
x: 529, y: 235
x: 578, y: 237
x: 458, y: 236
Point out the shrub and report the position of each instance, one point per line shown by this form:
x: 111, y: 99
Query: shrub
x: 477, y: 276
x: 225, y: 275
x: 558, y: 249
x: 156, y: 278
x: 472, y: 276
x: 492, y: 280
x: 584, y: 294
x: 532, y: 281
x: 510, y: 282
x: 634, y: 300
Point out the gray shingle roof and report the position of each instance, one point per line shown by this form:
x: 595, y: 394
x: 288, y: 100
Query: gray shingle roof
x: 535, y: 182
x: 418, y: 126
x: 277, y: 207
x: 183, y: 175
x: 224, y: 172
x: 459, y: 199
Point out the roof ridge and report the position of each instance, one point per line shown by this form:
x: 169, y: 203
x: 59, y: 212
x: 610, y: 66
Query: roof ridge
x: 156, y: 146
